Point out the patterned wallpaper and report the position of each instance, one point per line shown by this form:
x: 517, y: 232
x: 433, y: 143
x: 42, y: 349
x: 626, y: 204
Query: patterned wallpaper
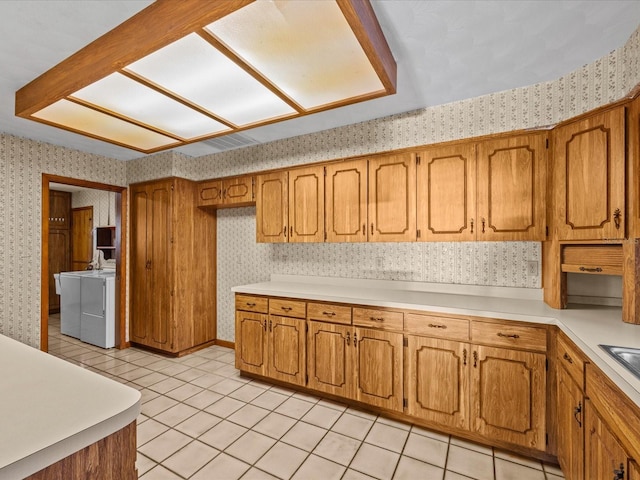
x: 22, y: 163
x: 103, y: 203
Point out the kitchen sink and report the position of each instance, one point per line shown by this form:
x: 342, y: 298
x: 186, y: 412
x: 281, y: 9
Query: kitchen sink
x: 627, y: 357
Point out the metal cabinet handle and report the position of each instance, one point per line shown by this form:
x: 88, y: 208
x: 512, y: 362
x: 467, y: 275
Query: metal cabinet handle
x: 577, y: 411
x: 567, y: 357
x: 464, y: 356
x: 483, y: 221
x: 472, y: 225
x: 265, y: 325
x: 435, y: 325
x: 617, y: 216
x: 355, y: 339
x: 286, y: 309
x: 475, y: 359
x: 348, y: 338
x: 590, y: 269
x: 364, y: 229
x: 284, y: 232
x: 372, y: 229
x: 290, y: 231
x: 376, y: 319
x: 619, y: 474
x: 270, y: 326
x: 251, y: 304
x: 504, y: 335
x: 224, y: 194
x: 329, y: 314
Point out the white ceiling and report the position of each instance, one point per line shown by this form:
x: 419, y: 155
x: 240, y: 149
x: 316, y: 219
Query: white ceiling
x: 445, y: 50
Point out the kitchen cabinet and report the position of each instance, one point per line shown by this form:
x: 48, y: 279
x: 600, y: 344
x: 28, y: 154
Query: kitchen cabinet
x: 172, y: 268
x: 392, y: 198
x: 570, y: 429
x: 512, y: 188
x: 605, y: 456
x: 438, y: 381
x: 306, y: 204
x: 269, y: 345
x: 59, y: 210
x: 330, y: 358
x: 589, y: 177
x: 226, y: 192
x: 508, y: 392
x: 272, y: 207
x: 492, y: 190
x: 346, y: 201
x: 446, y: 193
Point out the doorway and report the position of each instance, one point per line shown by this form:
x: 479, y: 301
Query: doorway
x: 120, y: 196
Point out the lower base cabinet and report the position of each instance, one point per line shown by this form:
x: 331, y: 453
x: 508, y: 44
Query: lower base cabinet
x: 496, y: 392
x: 356, y: 363
x: 271, y: 346
x: 570, y: 411
x: 605, y: 457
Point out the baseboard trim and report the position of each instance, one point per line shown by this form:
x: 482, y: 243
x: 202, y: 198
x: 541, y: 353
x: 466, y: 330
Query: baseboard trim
x: 225, y: 343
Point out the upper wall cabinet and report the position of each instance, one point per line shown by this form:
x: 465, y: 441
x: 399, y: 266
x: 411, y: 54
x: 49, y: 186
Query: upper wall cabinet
x: 306, y: 204
x: 392, y: 199
x: 346, y: 201
x: 290, y: 206
x: 232, y: 192
x: 494, y: 190
x: 589, y: 177
x: 272, y: 207
x: 512, y: 188
x: 446, y: 193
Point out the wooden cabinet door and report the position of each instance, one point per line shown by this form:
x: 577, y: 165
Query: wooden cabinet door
x: 392, y: 199
x: 251, y: 342
x: 160, y: 262
x: 589, y: 177
x: 604, y: 456
x: 287, y: 349
x: 272, y: 208
x: 446, y: 193
x: 330, y: 358
x: 81, y: 238
x: 238, y: 190
x: 379, y: 378
x: 210, y: 193
x: 306, y: 204
x: 569, y: 422
x: 140, y: 297
x: 508, y: 395
x: 634, y: 471
x: 512, y: 188
x: 346, y: 201
x: 438, y: 381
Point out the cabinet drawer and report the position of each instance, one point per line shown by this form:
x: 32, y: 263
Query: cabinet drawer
x: 571, y: 360
x: 441, y: 327
x: 367, y: 317
x: 287, y: 308
x: 502, y: 335
x: 329, y: 313
x: 250, y: 303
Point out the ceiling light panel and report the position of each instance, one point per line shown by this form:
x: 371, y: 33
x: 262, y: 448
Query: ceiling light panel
x: 306, y: 48
x: 77, y: 117
x: 192, y: 69
x: 124, y: 96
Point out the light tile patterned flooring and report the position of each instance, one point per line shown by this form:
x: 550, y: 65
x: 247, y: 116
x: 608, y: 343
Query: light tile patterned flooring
x: 201, y: 420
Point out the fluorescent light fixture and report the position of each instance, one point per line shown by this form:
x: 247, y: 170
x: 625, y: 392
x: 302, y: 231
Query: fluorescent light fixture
x: 181, y: 72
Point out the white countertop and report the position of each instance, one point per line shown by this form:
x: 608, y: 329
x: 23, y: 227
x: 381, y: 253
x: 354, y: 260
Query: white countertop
x: 50, y: 409
x: 587, y: 325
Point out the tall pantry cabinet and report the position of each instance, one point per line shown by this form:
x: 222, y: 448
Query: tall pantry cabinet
x: 173, y: 290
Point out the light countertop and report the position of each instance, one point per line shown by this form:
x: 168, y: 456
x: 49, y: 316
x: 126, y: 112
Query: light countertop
x: 50, y: 409
x: 587, y: 325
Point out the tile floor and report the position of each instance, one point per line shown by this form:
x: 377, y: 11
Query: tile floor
x: 201, y: 420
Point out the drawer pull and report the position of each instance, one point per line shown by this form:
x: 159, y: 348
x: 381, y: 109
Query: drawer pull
x: 251, y: 304
x: 435, y: 325
x: 587, y: 269
x: 376, y: 319
x: 329, y: 314
x: 619, y: 474
x: 355, y: 340
x: 475, y: 359
x: 265, y: 325
x: 515, y: 335
x: 348, y: 338
x: 567, y: 357
x: 286, y: 309
x: 617, y: 215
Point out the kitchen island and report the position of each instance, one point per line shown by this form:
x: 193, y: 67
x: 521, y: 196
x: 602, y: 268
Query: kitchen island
x: 61, y: 421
